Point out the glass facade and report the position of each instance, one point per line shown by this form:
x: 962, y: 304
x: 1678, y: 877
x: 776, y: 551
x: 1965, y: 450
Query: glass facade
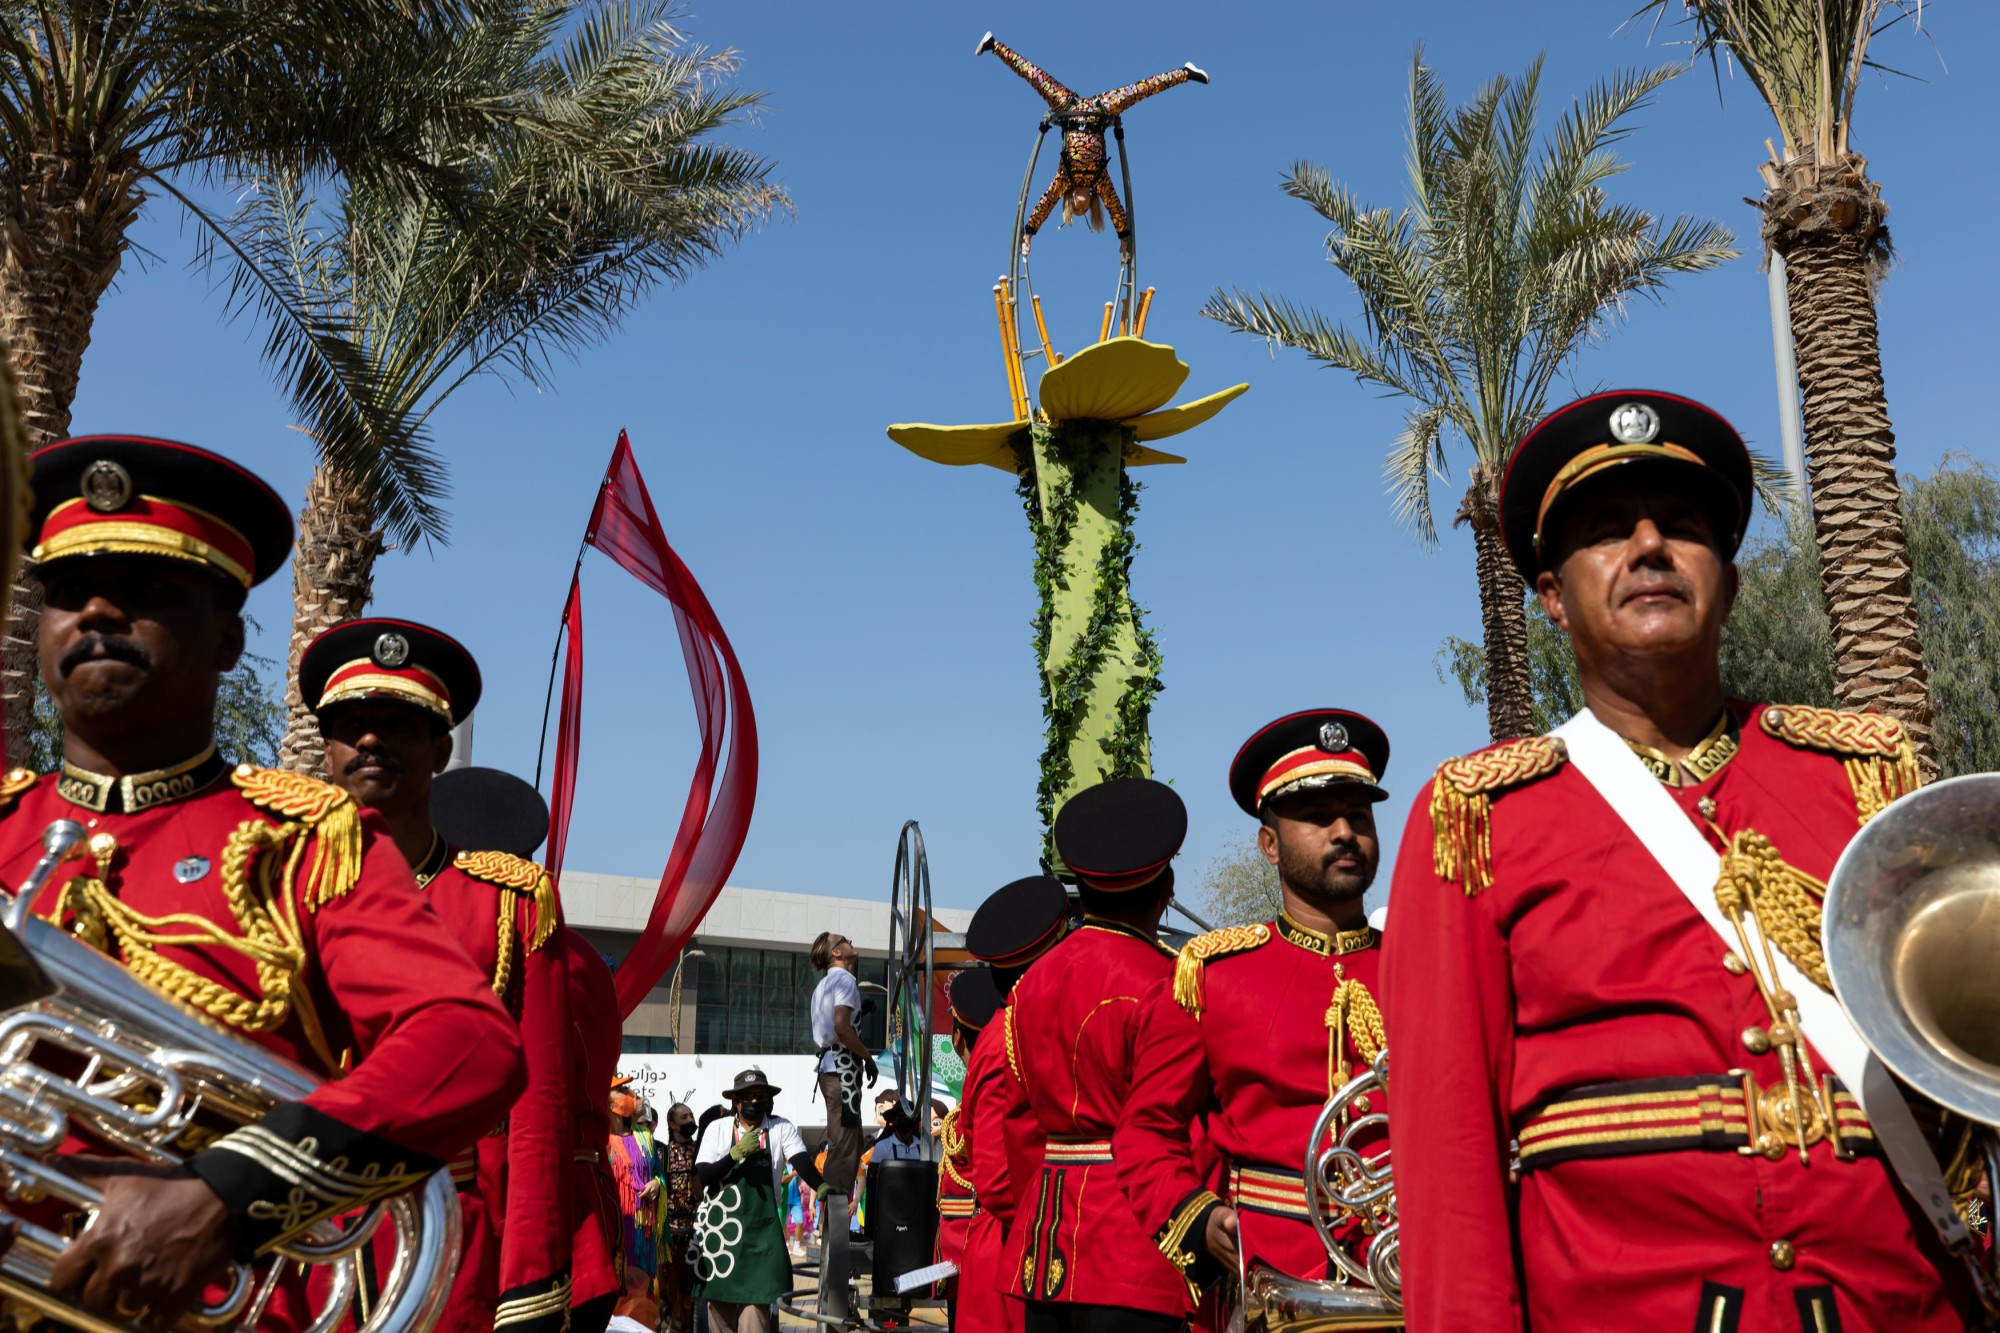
x: 752, y: 1001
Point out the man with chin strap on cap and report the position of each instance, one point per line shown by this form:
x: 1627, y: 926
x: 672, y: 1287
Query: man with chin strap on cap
x: 998, y: 1138
x: 1265, y: 1022
x: 1078, y: 1253
x: 1604, y: 948
x: 267, y: 902
x: 387, y: 694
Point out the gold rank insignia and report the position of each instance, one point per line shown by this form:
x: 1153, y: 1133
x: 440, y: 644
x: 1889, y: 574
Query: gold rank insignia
x: 524, y: 879
x: 1189, y: 993
x: 1462, y: 804
x: 1874, y: 749
x: 14, y: 783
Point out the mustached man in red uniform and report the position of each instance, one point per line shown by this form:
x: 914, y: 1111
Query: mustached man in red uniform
x: 1604, y: 946
x: 387, y: 694
x: 997, y: 1138
x: 1265, y: 1022
x: 266, y: 901
x: 1078, y: 1253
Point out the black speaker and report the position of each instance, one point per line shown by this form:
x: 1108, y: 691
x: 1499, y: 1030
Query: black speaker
x: 902, y: 1218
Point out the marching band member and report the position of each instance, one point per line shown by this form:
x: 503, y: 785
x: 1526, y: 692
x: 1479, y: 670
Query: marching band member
x: 387, y: 694
x: 594, y: 1044
x: 266, y: 901
x: 1265, y: 1022
x: 1078, y: 1253
x: 998, y: 1137
x: 973, y: 999
x: 1604, y: 947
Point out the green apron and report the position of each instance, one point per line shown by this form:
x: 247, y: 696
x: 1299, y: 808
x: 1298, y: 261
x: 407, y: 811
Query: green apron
x: 739, y: 1237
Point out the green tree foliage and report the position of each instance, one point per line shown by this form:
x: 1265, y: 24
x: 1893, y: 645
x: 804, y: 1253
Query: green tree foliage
x: 1778, y: 646
x: 249, y: 716
x: 1508, y: 258
x: 1240, y: 887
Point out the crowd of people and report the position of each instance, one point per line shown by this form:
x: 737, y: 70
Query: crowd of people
x: 1624, y: 1094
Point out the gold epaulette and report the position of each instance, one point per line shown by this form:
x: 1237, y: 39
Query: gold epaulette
x: 1462, y: 804
x: 525, y: 878
x: 307, y: 805
x: 14, y: 783
x: 1873, y: 747
x: 1189, y: 993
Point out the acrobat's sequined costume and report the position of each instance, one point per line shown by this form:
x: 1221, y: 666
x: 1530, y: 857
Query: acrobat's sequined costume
x: 1083, y: 121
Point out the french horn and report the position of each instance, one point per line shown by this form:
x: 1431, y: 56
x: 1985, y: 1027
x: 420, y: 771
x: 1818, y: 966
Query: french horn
x: 84, y: 1045
x: 1349, y: 1186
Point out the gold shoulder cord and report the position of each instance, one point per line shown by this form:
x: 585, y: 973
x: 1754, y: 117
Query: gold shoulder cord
x: 1462, y: 797
x: 951, y: 1145
x: 1189, y: 965
x: 1353, y: 1010
x: 516, y: 877
x: 259, y: 870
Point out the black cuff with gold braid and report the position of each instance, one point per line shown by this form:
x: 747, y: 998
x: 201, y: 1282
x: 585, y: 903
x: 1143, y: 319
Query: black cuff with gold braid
x: 1184, y: 1241
x: 298, y: 1166
x: 541, y: 1306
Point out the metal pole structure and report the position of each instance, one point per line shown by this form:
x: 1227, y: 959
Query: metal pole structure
x: 1791, y: 426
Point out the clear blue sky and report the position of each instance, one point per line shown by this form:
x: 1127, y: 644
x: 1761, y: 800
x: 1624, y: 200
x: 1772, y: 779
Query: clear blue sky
x: 880, y: 603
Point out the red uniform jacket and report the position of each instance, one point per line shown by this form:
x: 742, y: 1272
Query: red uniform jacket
x: 594, y: 1043
x: 516, y: 1265
x: 1575, y: 962
x: 356, y: 973
x: 1073, y: 1021
x: 1244, y: 1037
x: 1002, y: 1147
x: 955, y: 1199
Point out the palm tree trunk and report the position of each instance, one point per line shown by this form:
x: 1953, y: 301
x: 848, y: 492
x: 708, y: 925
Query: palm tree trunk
x: 61, y: 241
x: 333, y: 579
x: 1829, y: 228
x: 1510, y: 688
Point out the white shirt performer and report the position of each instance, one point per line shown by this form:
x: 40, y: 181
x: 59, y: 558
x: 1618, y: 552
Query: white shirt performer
x: 843, y: 1060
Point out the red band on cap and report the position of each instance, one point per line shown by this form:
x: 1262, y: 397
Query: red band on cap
x: 1022, y: 957
x: 1312, y: 762
x: 150, y: 526
x: 363, y: 678
x: 1131, y: 879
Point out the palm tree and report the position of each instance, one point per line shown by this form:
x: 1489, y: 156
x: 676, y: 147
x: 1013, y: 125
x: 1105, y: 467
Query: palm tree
x: 1499, y: 269
x: 107, y: 103
x: 1825, y: 218
x: 381, y: 307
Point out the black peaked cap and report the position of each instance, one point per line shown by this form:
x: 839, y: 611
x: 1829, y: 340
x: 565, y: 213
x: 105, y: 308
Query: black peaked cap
x: 1120, y: 834
x: 488, y: 810
x: 1328, y: 744
x: 1685, y: 444
x: 392, y: 644
x: 975, y: 997
x: 1018, y: 920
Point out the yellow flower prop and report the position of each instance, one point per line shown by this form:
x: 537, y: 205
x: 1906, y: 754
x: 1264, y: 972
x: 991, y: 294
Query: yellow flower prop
x: 1127, y: 380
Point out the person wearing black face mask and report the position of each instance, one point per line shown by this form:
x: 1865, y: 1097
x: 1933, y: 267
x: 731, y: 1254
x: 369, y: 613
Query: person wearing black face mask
x: 741, y: 1266
x: 676, y: 1152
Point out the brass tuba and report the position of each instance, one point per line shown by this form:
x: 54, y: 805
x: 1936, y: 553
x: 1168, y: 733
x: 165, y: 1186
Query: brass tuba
x: 85, y: 1045
x: 1343, y: 1184
x: 1911, y: 930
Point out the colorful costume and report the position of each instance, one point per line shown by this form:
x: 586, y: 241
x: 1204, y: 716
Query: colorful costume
x: 514, y: 1187
x: 632, y: 1168
x: 1554, y: 987
x: 1083, y: 120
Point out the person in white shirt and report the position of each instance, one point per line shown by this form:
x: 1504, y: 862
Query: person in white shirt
x: 741, y: 1265
x: 844, y: 1062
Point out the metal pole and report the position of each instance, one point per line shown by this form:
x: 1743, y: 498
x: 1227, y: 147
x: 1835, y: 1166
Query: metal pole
x: 1791, y: 426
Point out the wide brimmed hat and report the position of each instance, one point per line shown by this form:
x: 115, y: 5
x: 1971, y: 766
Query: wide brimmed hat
x: 1321, y: 747
x: 749, y: 1081
x: 1685, y: 445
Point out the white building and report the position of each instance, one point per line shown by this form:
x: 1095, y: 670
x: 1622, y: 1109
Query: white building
x: 745, y: 982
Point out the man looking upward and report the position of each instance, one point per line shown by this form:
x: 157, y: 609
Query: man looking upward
x: 387, y: 694
x: 1604, y: 946
x: 844, y: 1061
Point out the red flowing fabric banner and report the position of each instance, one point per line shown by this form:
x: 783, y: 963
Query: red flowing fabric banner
x: 716, y: 816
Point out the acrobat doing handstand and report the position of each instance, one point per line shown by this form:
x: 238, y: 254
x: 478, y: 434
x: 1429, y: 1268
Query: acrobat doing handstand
x: 1082, y: 181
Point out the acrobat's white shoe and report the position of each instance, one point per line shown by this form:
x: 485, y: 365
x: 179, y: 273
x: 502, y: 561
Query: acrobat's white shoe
x: 985, y: 45
x: 1196, y: 72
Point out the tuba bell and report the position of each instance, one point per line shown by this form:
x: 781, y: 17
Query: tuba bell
x: 1347, y: 1187
x: 86, y: 1046
x: 1910, y: 932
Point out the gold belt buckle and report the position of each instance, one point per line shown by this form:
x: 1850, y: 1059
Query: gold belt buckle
x: 1773, y: 1121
